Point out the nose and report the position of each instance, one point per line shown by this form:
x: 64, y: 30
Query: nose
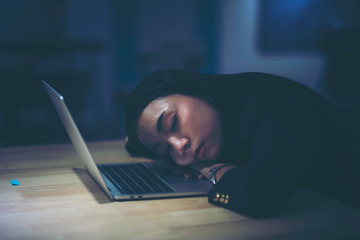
x: 180, y: 144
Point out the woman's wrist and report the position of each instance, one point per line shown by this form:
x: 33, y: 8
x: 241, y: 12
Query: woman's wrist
x: 222, y: 171
x: 216, y: 171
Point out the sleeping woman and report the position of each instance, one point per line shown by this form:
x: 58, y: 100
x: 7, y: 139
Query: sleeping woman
x: 256, y: 136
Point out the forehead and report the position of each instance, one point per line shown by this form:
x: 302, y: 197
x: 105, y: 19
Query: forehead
x: 161, y: 104
x: 155, y: 107
x: 146, y: 127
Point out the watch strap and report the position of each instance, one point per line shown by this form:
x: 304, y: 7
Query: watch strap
x: 213, y: 172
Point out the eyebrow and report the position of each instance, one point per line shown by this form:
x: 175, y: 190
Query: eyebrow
x: 159, y: 123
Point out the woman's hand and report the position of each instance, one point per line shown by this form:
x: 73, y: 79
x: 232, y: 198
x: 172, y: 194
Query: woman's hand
x: 190, y: 171
x: 205, y: 172
x: 200, y: 170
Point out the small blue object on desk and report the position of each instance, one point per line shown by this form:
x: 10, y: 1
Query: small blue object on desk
x: 14, y: 182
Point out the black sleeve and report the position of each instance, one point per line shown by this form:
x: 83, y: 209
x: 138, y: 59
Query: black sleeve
x: 285, y: 148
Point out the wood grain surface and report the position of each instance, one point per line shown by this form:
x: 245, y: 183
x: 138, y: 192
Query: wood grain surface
x: 57, y: 199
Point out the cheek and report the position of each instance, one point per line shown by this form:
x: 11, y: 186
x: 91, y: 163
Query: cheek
x: 198, y: 123
x: 198, y: 119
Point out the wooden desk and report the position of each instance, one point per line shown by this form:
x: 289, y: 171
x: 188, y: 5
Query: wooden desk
x: 57, y: 199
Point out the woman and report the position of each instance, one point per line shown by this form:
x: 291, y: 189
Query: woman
x: 256, y: 136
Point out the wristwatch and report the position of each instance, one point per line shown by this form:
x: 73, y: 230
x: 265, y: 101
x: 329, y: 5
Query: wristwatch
x: 213, y: 172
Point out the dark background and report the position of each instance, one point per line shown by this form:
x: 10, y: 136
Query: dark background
x: 95, y: 51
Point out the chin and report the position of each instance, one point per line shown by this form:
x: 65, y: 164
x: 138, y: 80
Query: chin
x: 185, y: 162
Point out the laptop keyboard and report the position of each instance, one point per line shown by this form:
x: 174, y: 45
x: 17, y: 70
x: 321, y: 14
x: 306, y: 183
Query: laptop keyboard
x: 134, y: 179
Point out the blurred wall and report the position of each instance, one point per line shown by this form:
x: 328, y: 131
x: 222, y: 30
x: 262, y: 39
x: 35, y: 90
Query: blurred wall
x: 94, y: 52
x: 316, y: 43
x: 240, y: 51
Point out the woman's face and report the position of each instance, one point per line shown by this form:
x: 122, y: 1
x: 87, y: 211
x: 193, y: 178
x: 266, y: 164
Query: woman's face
x: 183, y: 128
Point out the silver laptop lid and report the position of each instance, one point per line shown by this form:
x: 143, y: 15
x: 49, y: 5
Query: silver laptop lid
x: 76, y: 137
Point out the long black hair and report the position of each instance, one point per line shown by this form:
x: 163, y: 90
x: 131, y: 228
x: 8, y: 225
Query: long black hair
x: 211, y: 87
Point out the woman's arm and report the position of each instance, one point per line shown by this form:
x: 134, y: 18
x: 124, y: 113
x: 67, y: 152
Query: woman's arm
x: 286, y: 145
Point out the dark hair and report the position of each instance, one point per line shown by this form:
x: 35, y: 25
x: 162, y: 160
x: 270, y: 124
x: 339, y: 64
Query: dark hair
x: 153, y: 86
x: 163, y: 83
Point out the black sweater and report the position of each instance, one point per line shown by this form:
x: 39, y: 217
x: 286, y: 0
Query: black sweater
x: 280, y: 134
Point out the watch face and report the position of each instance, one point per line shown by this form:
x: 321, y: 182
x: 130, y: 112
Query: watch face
x: 213, y: 175
x: 213, y: 172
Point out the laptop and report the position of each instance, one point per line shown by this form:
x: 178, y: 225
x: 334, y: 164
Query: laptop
x: 127, y: 181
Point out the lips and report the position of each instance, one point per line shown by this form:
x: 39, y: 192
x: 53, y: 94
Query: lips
x: 198, y: 151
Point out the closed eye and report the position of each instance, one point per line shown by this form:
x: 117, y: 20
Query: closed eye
x: 174, y: 123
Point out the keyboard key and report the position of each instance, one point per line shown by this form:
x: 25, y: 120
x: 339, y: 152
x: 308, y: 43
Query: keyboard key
x: 134, y: 179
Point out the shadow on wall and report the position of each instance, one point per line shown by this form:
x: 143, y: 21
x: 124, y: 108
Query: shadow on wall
x: 34, y: 46
x: 93, y: 53
x: 328, y: 27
